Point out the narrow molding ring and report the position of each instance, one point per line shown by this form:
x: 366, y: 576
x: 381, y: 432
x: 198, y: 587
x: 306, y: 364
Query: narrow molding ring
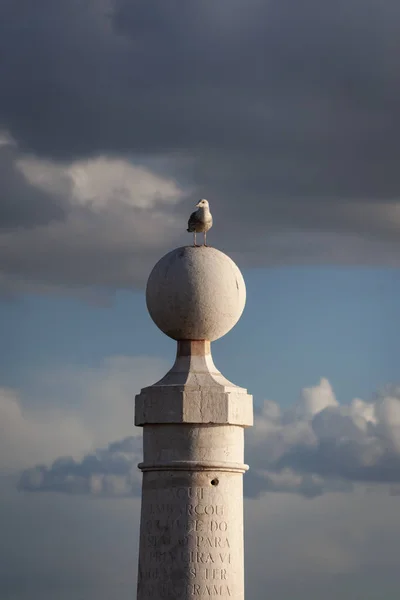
x: 194, y: 465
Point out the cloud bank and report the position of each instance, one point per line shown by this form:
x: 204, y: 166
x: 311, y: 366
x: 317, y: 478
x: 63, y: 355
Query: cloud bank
x: 111, y: 471
x: 318, y: 445
x: 284, y: 116
x: 82, y: 224
x: 313, y: 447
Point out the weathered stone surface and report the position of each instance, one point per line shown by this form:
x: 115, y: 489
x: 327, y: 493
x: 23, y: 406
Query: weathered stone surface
x: 219, y: 444
x: 178, y: 404
x: 191, y: 541
x: 194, y: 391
x: 191, y: 531
x: 195, y: 293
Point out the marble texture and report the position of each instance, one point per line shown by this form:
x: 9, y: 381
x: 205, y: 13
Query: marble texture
x: 194, y: 391
x: 195, y: 293
x: 193, y: 419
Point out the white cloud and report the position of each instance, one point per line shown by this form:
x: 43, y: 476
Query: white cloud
x: 29, y: 437
x: 312, y: 401
x: 103, y: 396
x: 317, y: 444
x: 102, y: 182
x: 313, y: 447
x: 114, y: 219
x: 99, y: 224
x: 315, y: 544
x: 74, y: 411
x: 388, y: 418
x: 6, y: 139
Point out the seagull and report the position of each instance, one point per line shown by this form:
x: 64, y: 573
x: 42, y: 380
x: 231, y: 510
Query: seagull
x: 200, y: 220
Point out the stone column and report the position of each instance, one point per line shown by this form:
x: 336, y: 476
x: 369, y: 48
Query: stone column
x: 191, y: 531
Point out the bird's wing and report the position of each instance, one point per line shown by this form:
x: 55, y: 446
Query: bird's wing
x: 193, y: 220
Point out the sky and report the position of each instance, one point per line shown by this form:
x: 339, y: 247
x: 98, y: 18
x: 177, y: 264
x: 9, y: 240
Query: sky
x: 116, y: 117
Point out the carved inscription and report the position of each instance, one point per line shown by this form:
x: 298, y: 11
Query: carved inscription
x: 210, y: 590
x: 164, y: 590
x: 189, y: 540
x: 189, y: 510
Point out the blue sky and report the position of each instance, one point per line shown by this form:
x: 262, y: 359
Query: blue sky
x: 299, y: 324
x: 116, y: 117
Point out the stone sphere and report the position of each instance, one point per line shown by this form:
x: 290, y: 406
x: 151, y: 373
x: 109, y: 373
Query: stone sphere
x: 195, y: 293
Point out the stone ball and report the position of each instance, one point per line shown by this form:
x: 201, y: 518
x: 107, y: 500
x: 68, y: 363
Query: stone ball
x: 195, y: 293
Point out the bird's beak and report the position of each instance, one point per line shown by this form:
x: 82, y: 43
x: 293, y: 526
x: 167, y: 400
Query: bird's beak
x: 198, y: 205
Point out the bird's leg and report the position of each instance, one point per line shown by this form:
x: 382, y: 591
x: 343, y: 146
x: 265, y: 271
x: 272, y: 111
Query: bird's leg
x: 194, y: 244
x: 205, y: 238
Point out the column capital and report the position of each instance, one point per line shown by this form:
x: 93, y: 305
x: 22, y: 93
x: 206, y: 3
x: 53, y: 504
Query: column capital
x: 194, y: 391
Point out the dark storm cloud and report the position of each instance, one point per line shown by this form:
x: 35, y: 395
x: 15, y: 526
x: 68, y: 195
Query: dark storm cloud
x: 21, y: 205
x: 285, y: 115
x: 292, y: 99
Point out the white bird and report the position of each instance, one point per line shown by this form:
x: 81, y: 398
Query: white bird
x: 201, y: 220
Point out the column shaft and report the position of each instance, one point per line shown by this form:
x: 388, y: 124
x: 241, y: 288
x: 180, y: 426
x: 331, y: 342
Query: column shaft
x: 191, y: 536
